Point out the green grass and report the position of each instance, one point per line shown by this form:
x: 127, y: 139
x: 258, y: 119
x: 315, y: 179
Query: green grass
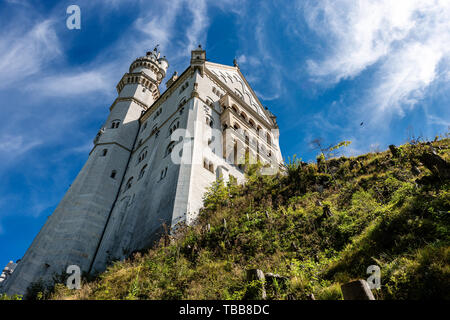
x: 379, y: 215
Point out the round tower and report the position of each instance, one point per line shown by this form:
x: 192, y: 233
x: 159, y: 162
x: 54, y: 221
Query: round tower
x: 72, y: 234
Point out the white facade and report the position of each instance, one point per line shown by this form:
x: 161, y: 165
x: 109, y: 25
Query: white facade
x: 133, y: 185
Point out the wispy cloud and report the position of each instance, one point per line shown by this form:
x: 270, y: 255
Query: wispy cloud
x: 12, y: 146
x: 196, y: 31
x: 73, y: 84
x: 407, y: 41
x: 22, y: 55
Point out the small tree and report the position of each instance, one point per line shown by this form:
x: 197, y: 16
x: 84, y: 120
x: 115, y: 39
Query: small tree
x: 327, y: 152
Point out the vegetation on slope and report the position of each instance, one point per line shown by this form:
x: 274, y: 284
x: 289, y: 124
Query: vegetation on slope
x: 319, y: 225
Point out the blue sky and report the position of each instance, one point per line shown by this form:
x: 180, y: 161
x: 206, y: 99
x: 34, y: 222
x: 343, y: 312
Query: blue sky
x: 322, y: 67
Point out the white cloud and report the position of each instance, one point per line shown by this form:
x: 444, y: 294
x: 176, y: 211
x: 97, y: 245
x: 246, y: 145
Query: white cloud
x: 12, y: 146
x: 22, y: 55
x: 406, y: 40
x: 158, y: 26
x: 196, y: 31
x: 73, y: 84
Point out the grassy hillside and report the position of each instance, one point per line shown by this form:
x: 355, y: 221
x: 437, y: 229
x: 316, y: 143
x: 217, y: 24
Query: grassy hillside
x: 320, y: 225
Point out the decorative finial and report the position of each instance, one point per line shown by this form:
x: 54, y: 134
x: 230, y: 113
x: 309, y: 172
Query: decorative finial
x: 235, y: 62
x: 199, y: 46
x: 156, y: 48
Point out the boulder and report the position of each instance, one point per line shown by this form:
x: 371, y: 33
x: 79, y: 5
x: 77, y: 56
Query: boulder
x: 357, y: 290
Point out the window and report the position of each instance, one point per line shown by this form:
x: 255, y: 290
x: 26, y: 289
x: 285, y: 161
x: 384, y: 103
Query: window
x: 170, y: 148
x: 115, y: 124
x: 157, y: 113
x: 129, y: 184
x: 142, y: 155
x: 113, y: 174
x: 251, y: 123
x: 234, y: 108
x: 269, y: 140
x: 236, y: 126
x: 184, y: 86
x: 258, y: 129
x: 182, y: 102
x: 163, y: 173
x: 174, y: 126
x: 104, y: 152
x: 142, y: 173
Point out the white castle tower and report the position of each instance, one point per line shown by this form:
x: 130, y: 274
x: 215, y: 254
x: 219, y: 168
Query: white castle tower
x: 151, y: 164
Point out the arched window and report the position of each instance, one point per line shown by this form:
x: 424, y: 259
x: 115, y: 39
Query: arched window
x: 243, y: 116
x: 182, y: 102
x: 129, y: 184
x: 252, y: 123
x: 141, y: 174
x: 236, y: 126
x: 115, y: 124
x: 269, y: 140
x: 143, y: 155
x: 163, y: 173
x: 234, y: 108
x: 170, y: 148
x: 174, y: 126
x: 104, y: 152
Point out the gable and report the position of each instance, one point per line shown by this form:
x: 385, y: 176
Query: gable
x: 234, y: 80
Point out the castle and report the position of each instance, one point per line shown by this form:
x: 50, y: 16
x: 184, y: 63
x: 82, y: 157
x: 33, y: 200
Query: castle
x: 151, y: 163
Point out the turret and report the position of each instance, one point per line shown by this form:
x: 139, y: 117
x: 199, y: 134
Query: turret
x: 144, y: 77
x: 72, y: 234
x: 198, y: 58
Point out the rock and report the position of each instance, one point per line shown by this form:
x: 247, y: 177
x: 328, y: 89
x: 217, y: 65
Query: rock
x: 357, y: 290
x: 435, y: 164
x: 270, y: 277
x: 255, y: 274
x: 394, y: 150
x: 258, y: 291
